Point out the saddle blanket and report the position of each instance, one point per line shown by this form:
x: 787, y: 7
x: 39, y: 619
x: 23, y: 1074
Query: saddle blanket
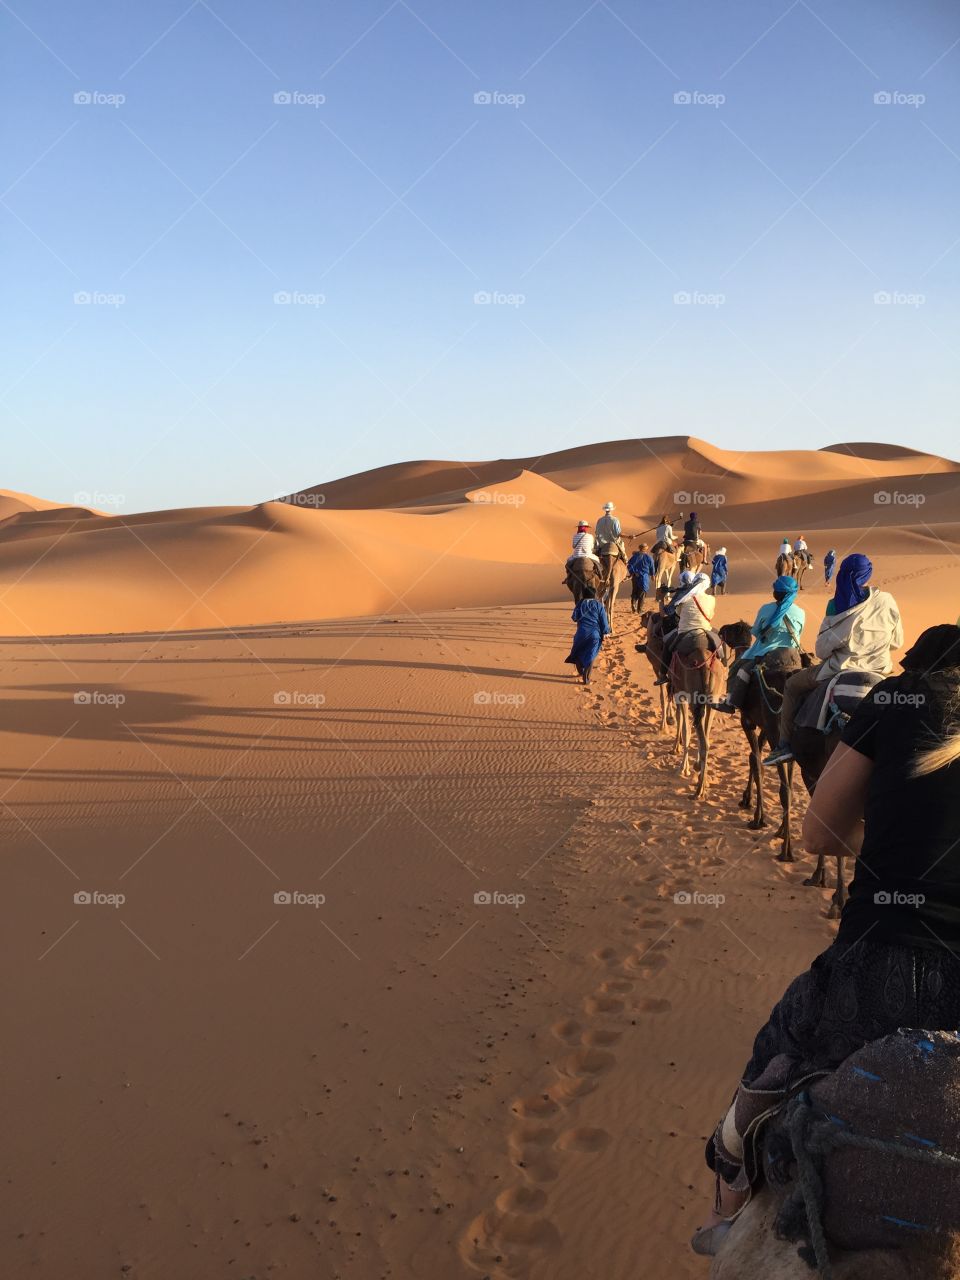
x: 837, y: 697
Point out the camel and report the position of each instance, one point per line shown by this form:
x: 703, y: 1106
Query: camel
x: 784, y: 565
x: 760, y: 722
x: 583, y: 573
x: 665, y: 563
x: 653, y: 622
x: 694, y: 557
x: 753, y: 1251
x: 697, y: 674
x: 614, y: 575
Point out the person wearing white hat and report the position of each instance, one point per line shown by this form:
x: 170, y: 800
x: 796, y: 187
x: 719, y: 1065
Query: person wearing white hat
x: 609, y: 535
x: 583, y: 544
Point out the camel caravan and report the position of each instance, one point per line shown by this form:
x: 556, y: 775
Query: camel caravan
x: 839, y: 1155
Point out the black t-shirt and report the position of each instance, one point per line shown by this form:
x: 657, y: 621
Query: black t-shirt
x: 906, y: 887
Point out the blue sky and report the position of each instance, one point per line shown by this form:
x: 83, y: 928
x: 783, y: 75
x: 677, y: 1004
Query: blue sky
x: 581, y: 199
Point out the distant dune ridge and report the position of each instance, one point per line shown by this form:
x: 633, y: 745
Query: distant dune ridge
x: 435, y: 534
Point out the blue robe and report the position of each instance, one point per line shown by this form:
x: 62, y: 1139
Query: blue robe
x: 640, y: 565
x: 592, y: 625
x: 828, y: 562
x: 719, y: 573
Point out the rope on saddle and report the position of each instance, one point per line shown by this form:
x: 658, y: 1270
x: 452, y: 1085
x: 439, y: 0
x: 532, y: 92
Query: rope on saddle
x: 766, y: 690
x: 812, y: 1137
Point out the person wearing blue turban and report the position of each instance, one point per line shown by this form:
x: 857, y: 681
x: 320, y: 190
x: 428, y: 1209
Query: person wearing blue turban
x: 778, y: 625
x: 861, y: 628
x: 829, y: 560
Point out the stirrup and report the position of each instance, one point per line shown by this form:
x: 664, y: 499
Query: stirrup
x: 781, y: 756
x: 707, y: 1240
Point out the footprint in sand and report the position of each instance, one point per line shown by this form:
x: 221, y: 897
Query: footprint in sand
x: 602, y: 1004
x: 528, y: 1146
x: 650, y: 1004
x: 601, y: 1038
x: 583, y: 1139
x: 588, y: 1062
x: 537, y: 1104
x: 693, y: 922
x: 506, y: 1242
x: 616, y: 986
x: 605, y: 955
x: 568, y: 1030
x: 645, y: 965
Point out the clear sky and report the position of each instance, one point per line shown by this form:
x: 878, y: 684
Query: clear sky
x: 581, y: 197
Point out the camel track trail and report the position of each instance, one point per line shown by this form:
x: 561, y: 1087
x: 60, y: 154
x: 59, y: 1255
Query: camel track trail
x: 659, y: 1000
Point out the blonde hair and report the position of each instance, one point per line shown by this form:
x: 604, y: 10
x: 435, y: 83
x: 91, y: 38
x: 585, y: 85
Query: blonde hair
x: 947, y: 749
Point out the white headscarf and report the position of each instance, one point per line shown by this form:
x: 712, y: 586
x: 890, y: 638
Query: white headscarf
x: 722, y: 551
x: 700, y: 583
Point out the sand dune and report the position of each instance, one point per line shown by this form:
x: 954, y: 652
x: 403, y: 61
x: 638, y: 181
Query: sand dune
x: 429, y: 535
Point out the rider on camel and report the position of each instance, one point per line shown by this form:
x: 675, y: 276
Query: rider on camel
x: 785, y: 548
x: 888, y: 794
x: 583, y: 545
x: 665, y: 533
x: 691, y: 531
x: 610, y: 535
x: 801, y: 550
x: 778, y: 625
x: 861, y: 627
x: 694, y: 605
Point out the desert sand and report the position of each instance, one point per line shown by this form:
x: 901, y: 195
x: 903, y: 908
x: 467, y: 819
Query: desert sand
x: 356, y: 699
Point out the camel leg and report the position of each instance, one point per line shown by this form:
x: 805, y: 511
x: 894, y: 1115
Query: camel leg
x: 819, y: 878
x: 839, y: 897
x: 701, y: 723
x: 683, y: 735
x: 786, y: 800
x: 678, y: 741
x: 754, y: 738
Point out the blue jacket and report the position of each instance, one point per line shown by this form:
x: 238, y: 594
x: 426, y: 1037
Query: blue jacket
x: 779, y: 637
x: 719, y: 573
x: 640, y: 565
